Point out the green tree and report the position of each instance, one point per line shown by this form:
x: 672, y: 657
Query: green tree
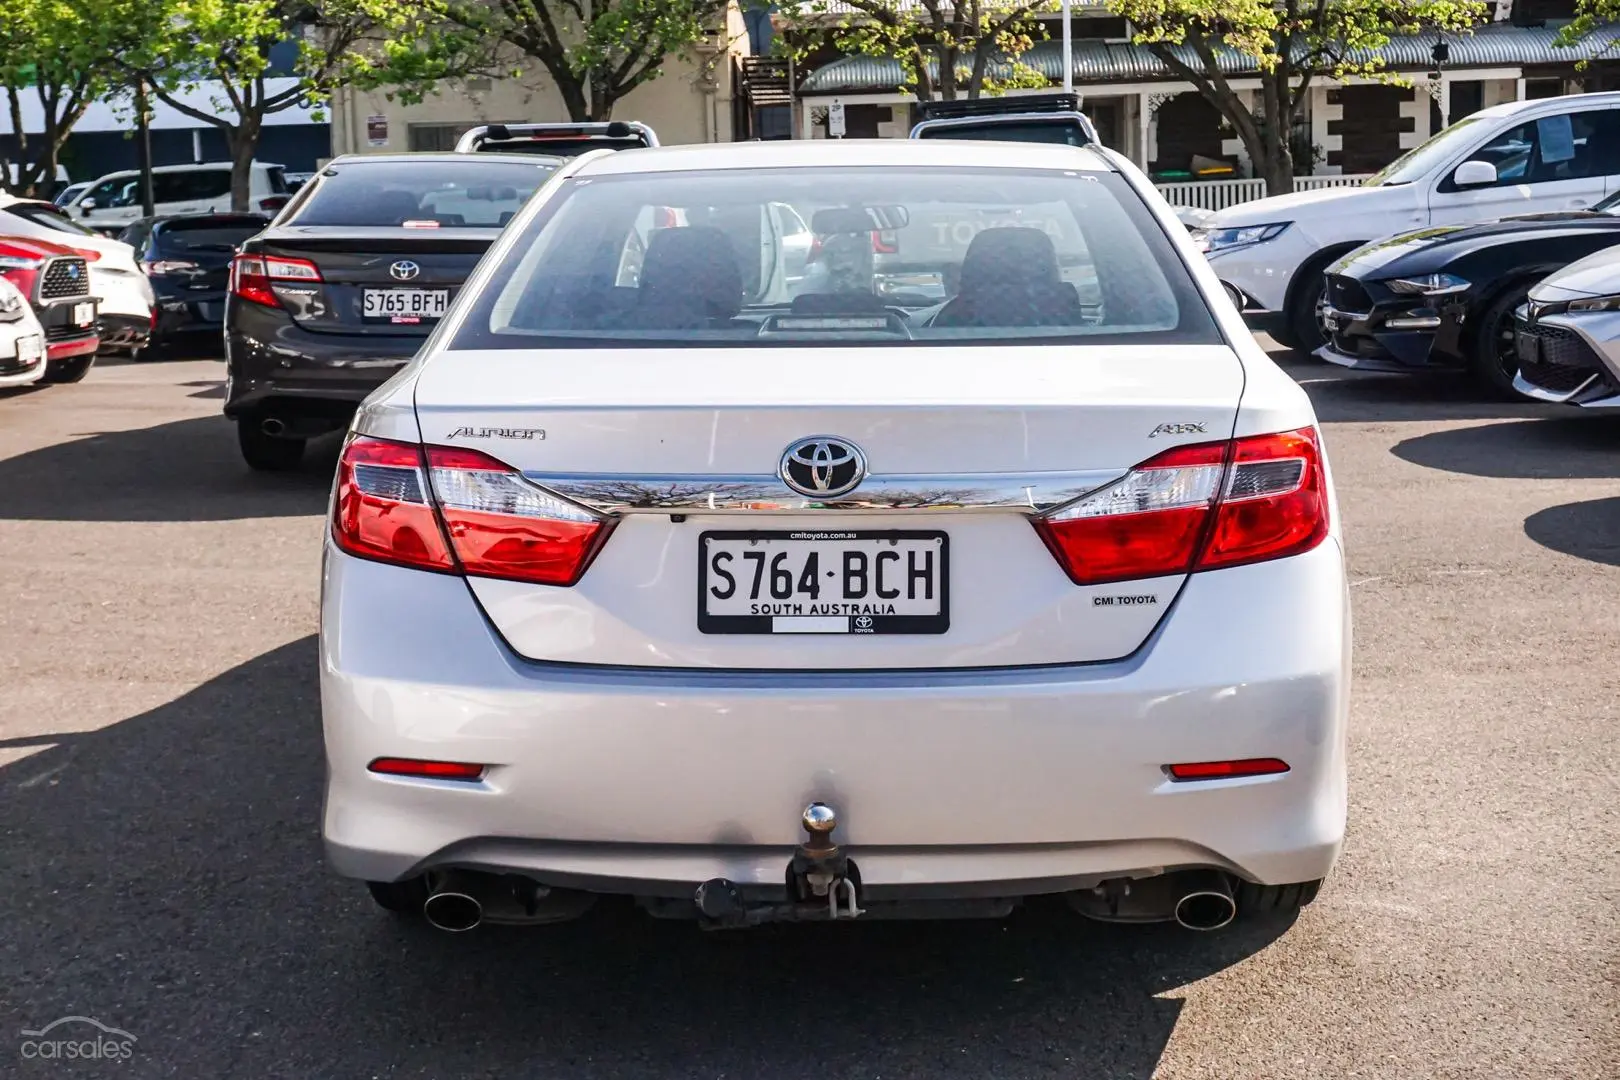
x: 226, y: 45
x: 594, y: 51
x: 1291, y: 43
x: 1591, y: 17
x: 64, y: 56
x: 946, y: 48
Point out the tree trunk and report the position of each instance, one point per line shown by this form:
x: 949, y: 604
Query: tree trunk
x: 243, y: 141
x: 601, y: 102
x: 1275, y: 160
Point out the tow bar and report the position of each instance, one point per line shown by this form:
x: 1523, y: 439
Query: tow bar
x: 821, y: 883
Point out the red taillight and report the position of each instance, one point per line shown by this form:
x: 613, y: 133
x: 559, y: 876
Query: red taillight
x: 1196, y: 508
x: 274, y: 202
x: 427, y: 770
x: 465, y: 512
x: 252, y: 276
x: 22, y: 270
x: 383, y: 509
x: 1227, y: 770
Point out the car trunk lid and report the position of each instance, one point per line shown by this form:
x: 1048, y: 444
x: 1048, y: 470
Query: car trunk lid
x: 962, y: 447
x: 388, y: 281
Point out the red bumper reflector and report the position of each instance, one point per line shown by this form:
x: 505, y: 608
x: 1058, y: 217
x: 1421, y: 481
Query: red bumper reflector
x: 1226, y: 770
x: 431, y: 770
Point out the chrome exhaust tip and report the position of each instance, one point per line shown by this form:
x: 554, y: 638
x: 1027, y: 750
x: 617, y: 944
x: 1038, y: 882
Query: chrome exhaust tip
x: 451, y: 906
x: 1206, y: 901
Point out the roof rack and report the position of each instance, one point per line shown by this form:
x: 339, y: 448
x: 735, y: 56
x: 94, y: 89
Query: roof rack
x: 551, y: 138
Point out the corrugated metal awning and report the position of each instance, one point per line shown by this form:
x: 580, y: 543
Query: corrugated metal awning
x: 1495, y: 45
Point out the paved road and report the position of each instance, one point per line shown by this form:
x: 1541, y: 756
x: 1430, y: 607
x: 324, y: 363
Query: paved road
x: 160, y: 771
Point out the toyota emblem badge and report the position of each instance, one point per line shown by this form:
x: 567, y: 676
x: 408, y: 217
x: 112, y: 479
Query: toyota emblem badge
x: 404, y: 270
x: 823, y: 466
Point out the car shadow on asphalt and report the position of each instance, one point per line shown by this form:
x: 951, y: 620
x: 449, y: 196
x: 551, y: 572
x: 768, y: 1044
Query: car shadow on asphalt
x: 187, y: 470
x: 1567, y: 446
x: 1340, y: 395
x: 165, y: 877
x: 1586, y: 530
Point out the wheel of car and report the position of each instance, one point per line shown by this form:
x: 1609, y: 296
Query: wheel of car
x: 1261, y: 901
x: 402, y: 897
x: 1493, y: 358
x: 71, y: 370
x: 267, y: 453
x: 1305, y: 310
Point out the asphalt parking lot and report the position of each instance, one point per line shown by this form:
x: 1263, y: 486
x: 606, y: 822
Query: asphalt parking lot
x: 160, y: 774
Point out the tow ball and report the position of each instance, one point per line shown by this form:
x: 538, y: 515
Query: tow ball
x: 819, y: 880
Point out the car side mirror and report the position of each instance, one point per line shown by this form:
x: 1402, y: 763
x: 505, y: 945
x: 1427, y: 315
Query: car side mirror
x: 1474, y: 174
x: 86, y: 205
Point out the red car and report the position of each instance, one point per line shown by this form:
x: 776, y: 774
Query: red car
x: 56, y: 281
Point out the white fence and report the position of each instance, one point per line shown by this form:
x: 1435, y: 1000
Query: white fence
x: 1219, y: 194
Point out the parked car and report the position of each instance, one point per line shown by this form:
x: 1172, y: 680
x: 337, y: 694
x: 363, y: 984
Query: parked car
x: 1038, y: 118
x: 124, y: 295
x: 343, y: 289
x: 1443, y: 298
x: 1547, y: 155
x: 187, y: 259
x: 56, y: 281
x: 114, y: 202
x: 603, y: 613
x: 70, y: 194
x: 556, y: 140
x: 22, y: 339
x: 296, y: 181
x: 1568, y: 334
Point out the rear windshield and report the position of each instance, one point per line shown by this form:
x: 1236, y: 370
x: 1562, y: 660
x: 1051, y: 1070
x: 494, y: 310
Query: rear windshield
x: 889, y: 256
x: 209, y: 234
x: 50, y: 217
x: 565, y: 146
x: 470, y: 192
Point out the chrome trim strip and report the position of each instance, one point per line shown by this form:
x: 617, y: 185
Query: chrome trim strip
x: 1531, y: 390
x: 611, y: 493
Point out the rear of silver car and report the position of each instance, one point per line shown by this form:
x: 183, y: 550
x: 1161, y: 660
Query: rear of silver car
x: 794, y: 625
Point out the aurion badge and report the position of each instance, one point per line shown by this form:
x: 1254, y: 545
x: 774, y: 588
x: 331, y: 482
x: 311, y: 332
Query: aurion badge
x: 823, y: 467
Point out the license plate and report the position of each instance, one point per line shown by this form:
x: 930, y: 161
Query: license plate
x: 404, y: 304
x: 826, y: 582
x: 30, y: 349
x: 1528, y: 353
x: 84, y: 314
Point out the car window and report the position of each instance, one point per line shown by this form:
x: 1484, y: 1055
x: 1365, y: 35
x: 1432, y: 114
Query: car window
x: 215, y: 234
x: 191, y: 185
x: 135, y: 236
x: 116, y: 191
x: 467, y: 192
x: 50, y: 217
x: 278, y: 180
x: 1564, y: 146
x: 926, y: 255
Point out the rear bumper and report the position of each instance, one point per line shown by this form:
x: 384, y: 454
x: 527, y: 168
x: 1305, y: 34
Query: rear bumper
x: 949, y: 783
x: 273, y: 364
x: 123, y: 331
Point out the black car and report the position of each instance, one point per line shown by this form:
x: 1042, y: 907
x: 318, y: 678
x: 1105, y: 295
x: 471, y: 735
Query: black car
x: 1043, y: 118
x: 187, y: 258
x: 1443, y: 298
x: 556, y: 140
x: 334, y: 297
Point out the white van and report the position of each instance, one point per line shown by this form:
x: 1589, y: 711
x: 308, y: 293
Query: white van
x: 114, y: 201
x: 1523, y: 157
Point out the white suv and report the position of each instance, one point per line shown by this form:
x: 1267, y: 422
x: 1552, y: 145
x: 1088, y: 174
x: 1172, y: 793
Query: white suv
x: 114, y: 201
x: 1523, y: 157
